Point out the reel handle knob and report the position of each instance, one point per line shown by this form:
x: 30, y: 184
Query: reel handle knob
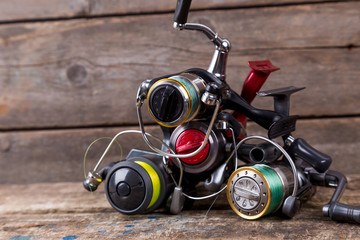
x: 182, y: 11
x: 291, y: 206
x: 342, y: 212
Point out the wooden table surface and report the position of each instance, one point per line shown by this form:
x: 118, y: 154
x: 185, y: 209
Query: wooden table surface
x: 67, y: 211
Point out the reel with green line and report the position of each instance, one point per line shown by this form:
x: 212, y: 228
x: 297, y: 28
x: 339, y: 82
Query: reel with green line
x: 172, y: 101
x: 258, y: 190
x: 266, y: 186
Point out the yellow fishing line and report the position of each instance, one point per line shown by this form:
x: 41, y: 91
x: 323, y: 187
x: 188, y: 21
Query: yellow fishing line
x: 154, y: 179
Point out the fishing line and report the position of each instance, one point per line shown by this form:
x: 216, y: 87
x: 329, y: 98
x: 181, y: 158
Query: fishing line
x: 138, y: 109
x: 275, y: 186
x: 153, y: 137
x: 88, y: 148
x: 221, y: 190
x: 212, y: 204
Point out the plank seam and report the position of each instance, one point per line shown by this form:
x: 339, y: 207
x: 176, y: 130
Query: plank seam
x: 93, y: 126
x: 88, y: 15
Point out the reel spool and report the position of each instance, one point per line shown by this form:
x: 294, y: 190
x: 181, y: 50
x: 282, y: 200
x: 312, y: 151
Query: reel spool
x: 137, y: 185
x: 256, y: 191
x: 188, y: 137
x: 175, y: 100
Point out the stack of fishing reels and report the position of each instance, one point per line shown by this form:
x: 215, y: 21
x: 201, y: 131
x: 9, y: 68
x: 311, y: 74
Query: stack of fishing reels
x: 205, y: 141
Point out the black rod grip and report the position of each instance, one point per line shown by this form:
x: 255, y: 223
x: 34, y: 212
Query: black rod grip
x: 318, y: 160
x: 182, y: 11
x: 342, y: 212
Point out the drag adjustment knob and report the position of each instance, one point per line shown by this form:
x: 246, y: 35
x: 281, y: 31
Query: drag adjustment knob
x: 166, y: 103
x: 189, y: 141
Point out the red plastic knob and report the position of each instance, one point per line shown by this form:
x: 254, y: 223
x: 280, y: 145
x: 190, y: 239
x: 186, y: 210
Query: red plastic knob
x: 190, y: 140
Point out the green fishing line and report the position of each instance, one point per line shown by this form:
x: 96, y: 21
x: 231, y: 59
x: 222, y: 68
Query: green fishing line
x: 192, y: 91
x: 275, y: 185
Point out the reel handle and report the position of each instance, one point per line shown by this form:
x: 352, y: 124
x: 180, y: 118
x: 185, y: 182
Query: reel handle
x: 182, y: 11
x: 335, y: 210
x: 342, y: 212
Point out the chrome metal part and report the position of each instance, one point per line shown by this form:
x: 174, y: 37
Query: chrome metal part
x: 218, y: 64
x: 289, y: 140
x: 222, y: 125
x: 143, y: 91
x: 178, y: 26
x: 93, y: 180
x: 209, y: 98
x: 286, y: 176
x: 249, y: 193
x: 222, y: 47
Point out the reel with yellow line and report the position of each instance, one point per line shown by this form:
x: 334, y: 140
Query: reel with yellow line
x: 137, y: 185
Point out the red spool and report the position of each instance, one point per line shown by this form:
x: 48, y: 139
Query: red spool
x: 190, y: 140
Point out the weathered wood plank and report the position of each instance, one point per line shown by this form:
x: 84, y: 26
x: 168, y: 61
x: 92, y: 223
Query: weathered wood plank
x: 138, y: 6
x: 19, y: 10
x: 79, y: 72
x: 57, y: 155
x: 56, y: 211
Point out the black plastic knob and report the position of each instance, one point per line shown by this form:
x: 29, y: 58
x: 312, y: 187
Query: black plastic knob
x: 166, y: 103
x: 123, y: 189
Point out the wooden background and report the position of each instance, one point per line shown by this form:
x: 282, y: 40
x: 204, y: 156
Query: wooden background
x: 70, y: 69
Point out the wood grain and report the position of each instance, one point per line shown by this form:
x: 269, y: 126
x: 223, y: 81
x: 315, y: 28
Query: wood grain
x: 86, y: 72
x: 20, y: 10
x: 60, y: 210
x: 57, y: 155
x: 30, y: 10
x: 138, y: 6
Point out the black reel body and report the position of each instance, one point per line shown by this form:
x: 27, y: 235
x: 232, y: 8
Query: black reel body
x: 138, y: 184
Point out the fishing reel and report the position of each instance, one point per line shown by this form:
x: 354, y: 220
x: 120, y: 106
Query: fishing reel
x: 138, y: 185
x: 268, y: 183
x: 280, y: 179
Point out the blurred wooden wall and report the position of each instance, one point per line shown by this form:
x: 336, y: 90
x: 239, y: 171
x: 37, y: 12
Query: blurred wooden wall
x: 70, y: 69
